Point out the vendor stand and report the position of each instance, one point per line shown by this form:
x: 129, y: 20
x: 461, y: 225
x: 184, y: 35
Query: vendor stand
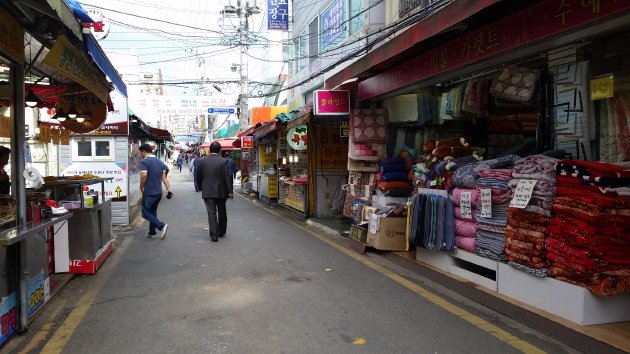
x: 89, y: 229
x: 293, y: 180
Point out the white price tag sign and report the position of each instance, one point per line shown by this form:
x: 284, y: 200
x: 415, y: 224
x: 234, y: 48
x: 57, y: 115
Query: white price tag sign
x: 523, y: 193
x: 486, y: 203
x: 374, y: 223
x: 466, y: 205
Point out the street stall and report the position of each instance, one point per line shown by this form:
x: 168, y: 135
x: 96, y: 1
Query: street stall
x: 266, y: 142
x: 516, y: 151
x: 34, y: 76
x: 89, y: 229
x: 293, y: 180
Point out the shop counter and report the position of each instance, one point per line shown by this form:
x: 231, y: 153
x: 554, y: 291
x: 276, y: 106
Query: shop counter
x: 293, y: 194
x: 90, y: 238
x: 19, y: 233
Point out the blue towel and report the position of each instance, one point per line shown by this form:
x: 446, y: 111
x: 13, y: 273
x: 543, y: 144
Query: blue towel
x: 393, y: 168
x: 395, y: 176
x: 392, y: 161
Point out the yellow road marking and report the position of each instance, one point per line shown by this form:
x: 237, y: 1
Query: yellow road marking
x: 61, y: 337
x: 465, y: 315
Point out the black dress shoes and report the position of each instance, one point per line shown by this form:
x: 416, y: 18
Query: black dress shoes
x: 214, y: 239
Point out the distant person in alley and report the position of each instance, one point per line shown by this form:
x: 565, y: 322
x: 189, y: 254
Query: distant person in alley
x: 180, y: 162
x: 213, y: 176
x: 153, y: 172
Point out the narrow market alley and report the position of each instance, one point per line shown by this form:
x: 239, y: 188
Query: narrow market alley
x: 271, y: 285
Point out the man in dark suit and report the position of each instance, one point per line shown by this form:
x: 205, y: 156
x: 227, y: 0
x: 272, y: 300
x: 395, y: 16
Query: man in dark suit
x: 214, y: 177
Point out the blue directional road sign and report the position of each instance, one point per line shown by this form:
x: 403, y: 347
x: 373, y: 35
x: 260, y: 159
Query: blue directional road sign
x: 221, y: 110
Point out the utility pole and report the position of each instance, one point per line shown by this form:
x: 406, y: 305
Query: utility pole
x: 243, y: 118
x: 242, y: 10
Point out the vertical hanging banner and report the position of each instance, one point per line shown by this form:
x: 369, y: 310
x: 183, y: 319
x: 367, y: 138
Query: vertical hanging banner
x: 5, y: 127
x: 278, y: 15
x: 55, y: 135
x: 65, y: 137
x: 44, y: 134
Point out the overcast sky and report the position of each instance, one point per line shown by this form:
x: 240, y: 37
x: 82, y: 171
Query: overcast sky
x: 185, y: 53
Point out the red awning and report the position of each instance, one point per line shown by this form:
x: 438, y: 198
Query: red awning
x: 49, y: 95
x: 454, y: 13
x: 161, y: 133
x: 226, y: 144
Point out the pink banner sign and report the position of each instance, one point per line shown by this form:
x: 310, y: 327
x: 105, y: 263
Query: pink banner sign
x: 331, y: 102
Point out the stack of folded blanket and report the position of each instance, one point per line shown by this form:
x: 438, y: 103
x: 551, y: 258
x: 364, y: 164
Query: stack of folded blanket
x: 589, y: 238
x: 465, y: 227
x: 490, y: 240
x: 525, y: 232
x: 393, y: 177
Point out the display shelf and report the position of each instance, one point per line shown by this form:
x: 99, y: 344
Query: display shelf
x: 574, y: 303
x: 69, y: 192
x: 479, y: 270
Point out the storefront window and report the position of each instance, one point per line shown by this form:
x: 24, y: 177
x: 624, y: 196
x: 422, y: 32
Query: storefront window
x: 89, y: 149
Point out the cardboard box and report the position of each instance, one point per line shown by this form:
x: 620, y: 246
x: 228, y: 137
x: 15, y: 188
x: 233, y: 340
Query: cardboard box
x: 387, y: 234
x: 358, y: 233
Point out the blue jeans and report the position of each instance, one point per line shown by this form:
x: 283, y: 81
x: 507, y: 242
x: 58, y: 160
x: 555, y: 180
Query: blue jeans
x: 149, y: 212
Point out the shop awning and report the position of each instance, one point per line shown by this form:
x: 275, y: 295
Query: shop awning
x: 162, y: 134
x: 226, y: 144
x: 265, y: 129
x: 101, y: 60
x: 453, y: 14
x: 95, y: 50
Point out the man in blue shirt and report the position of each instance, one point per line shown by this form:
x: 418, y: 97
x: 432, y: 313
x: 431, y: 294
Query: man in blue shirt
x: 152, y: 175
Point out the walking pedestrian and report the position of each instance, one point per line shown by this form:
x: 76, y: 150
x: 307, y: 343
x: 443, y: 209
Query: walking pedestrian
x: 180, y: 162
x: 152, y: 174
x: 213, y: 175
x: 226, y: 155
x: 193, y: 165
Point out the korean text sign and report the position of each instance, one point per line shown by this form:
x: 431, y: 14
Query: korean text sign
x: 332, y: 23
x: 278, y: 14
x: 331, y: 102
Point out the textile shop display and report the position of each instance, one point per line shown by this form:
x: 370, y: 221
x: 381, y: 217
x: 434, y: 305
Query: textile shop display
x: 589, y: 242
x: 431, y: 223
x: 515, y: 84
x: 369, y: 126
x: 465, y: 222
x: 525, y: 231
x: 466, y: 176
x: 490, y: 237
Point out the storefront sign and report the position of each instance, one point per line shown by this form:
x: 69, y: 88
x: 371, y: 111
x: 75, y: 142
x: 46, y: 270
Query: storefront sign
x: 523, y: 193
x: 116, y: 188
x: 602, y: 87
x: 278, y: 15
x: 91, y: 108
x: 344, y: 128
x: 541, y: 21
x: 272, y: 186
x: 11, y: 37
x: 247, y: 142
x: 8, y: 317
x: 327, y: 102
x: 35, y: 293
x: 297, y: 137
x: 332, y: 23
x: 69, y: 61
x: 117, y: 121
x: 333, y: 149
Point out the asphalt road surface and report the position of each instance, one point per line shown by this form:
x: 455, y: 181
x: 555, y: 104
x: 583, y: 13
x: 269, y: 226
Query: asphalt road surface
x: 271, y: 285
